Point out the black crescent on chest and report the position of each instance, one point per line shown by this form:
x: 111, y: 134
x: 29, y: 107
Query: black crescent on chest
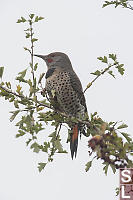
x: 49, y: 72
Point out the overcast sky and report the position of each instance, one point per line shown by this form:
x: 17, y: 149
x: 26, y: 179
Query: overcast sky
x: 84, y: 31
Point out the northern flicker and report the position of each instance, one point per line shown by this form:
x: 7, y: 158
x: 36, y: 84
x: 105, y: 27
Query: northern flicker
x: 68, y: 92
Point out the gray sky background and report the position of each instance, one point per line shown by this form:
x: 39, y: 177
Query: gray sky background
x: 84, y: 31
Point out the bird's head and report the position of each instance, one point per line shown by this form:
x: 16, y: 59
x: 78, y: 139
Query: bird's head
x: 56, y: 59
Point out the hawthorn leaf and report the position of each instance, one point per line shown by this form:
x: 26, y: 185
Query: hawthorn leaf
x: 113, y: 168
x: 97, y: 73
x: 34, y: 39
x: 41, y: 77
x: 122, y: 126
x: 88, y: 165
x: 14, y: 115
x: 41, y: 166
x: 106, y: 168
x: 111, y: 73
x: 35, y: 147
x: 112, y: 56
x: 31, y: 16
x: 18, y: 89
x: 58, y: 145
x: 1, y: 71
x: 21, y: 133
x: 120, y: 69
x: 126, y: 136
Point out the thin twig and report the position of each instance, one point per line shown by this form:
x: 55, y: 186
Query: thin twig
x: 23, y: 97
x: 58, y: 131
x: 32, y: 47
x: 106, y: 69
x: 13, y: 93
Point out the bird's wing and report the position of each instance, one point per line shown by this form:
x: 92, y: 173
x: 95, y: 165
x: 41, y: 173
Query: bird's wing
x: 76, y: 84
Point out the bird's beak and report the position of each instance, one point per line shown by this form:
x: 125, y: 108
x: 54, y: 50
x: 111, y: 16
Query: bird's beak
x: 41, y: 56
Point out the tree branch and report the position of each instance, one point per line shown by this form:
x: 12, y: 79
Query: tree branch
x: 10, y: 92
x: 32, y: 47
x: 86, y: 122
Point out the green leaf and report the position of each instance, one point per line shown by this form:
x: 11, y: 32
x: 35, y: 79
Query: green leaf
x: 93, y: 115
x: 116, y: 3
x: 99, y: 58
x: 88, y: 132
x: 120, y: 69
x: 23, y: 73
x: 104, y: 59
x: 35, y: 147
x: 19, y: 21
x: 52, y: 134
x: 38, y: 18
x: 16, y: 104
x: 122, y: 126
x: 35, y: 66
x: 27, y: 35
x: 34, y: 39
x: 23, y: 19
x: 58, y: 145
x: 28, y: 29
x: 105, y: 4
x: 111, y: 123
x: 126, y: 136
x: 46, y: 147
x: 28, y: 141
x: 21, y: 133
x: 11, y: 99
x: 1, y: 71
x: 31, y: 16
x: 31, y: 90
x: 111, y: 73
x: 14, y: 114
x: 18, y: 89
x: 112, y: 56
x: 106, y: 168
x: 29, y: 82
x: 8, y: 84
x: 20, y: 79
x: 26, y: 49
x: 88, y: 165
x: 41, y: 77
x: 117, y: 191
x: 97, y: 73
x: 113, y: 168
x: 41, y: 166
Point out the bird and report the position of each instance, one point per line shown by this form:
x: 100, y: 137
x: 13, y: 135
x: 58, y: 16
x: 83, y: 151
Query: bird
x: 68, y: 97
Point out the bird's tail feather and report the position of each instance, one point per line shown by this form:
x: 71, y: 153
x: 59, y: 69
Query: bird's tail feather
x: 74, y: 140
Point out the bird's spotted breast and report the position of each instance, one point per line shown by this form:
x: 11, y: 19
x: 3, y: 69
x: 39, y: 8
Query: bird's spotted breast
x: 66, y: 96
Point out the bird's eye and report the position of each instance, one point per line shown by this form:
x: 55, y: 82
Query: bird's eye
x: 53, y: 55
